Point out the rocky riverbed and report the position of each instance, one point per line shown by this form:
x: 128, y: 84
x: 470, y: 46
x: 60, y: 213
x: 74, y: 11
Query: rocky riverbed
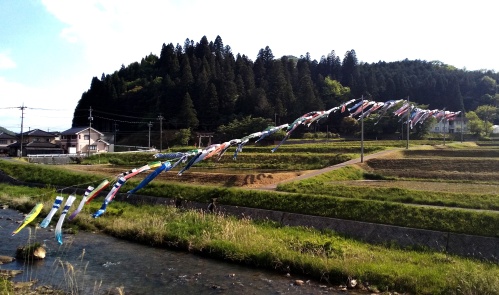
x: 93, y: 263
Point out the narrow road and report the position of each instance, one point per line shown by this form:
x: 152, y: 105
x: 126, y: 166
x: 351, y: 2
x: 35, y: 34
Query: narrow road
x: 327, y: 169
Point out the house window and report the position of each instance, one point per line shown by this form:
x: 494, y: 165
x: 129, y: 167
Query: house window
x: 92, y: 147
x: 3, y: 141
x: 86, y: 137
x: 437, y: 129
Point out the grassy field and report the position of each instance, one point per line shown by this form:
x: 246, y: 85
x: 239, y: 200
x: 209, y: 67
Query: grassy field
x: 322, y: 255
x: 448, y: 188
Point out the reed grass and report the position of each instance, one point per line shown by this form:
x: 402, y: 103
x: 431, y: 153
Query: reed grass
x: 323, y: 255
x: 6, y: 286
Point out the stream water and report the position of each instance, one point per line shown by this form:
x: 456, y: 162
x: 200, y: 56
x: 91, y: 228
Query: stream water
x: 100, y: 264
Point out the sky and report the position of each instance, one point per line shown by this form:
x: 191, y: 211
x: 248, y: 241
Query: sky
x: 51, y: 49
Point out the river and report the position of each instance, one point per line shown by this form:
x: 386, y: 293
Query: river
x: 99, y: 264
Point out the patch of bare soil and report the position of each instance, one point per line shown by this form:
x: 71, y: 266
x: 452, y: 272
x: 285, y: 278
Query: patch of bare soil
x: 247, y: 180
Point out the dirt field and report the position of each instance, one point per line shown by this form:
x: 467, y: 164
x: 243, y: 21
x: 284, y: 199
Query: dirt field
x: 247, y: 180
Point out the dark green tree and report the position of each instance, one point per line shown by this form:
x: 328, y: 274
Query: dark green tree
x: 187, y: 113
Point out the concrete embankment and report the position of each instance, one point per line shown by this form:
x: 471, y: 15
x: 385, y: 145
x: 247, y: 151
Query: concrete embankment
x: 486, y: 248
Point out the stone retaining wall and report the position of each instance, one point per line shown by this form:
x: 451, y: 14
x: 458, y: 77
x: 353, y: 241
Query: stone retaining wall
x: 485, y: 248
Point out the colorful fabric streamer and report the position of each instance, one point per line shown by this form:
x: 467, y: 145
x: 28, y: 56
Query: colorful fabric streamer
x: 292, y: 128
x: 131, y: 173
x: 110, y: 196
x: 30, y: 217
x: 97, y: 190
x: 164, y: 167
x: 82, y: 203
x: 271, y: 130
x: 55, y: 207
x: 58, y: 227
x: 199, y: 157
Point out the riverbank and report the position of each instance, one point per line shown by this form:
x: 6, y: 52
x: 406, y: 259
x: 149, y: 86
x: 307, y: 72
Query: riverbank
x: 96, y: 263
x: 299, y: 251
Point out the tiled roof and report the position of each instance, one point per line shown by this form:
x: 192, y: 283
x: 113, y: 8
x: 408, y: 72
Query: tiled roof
x: 4, y: 135
x: 37, y: 132
x: 40, y: 144
x: 77, y: 130
x: 35, y: 144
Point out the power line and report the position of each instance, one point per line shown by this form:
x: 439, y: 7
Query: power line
x: 122, y: 121
x: 119, y: 115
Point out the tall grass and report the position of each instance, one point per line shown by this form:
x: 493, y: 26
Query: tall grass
x: 323, y: 255
x: 458, y: 221
x: 298, y: 250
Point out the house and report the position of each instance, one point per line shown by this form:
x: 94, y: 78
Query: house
x: 6, y: 140
x: 34, y: 142
x: 83, y: 140
x: 453, y: 126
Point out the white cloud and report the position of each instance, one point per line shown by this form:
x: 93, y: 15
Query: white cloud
x: 6, y: 62
x: 46, y: 109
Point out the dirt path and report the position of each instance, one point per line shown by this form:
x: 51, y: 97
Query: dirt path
x: 313, y: 173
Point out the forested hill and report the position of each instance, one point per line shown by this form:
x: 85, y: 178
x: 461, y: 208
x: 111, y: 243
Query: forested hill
x: 203, y: 85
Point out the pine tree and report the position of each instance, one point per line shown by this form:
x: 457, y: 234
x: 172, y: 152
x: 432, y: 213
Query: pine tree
x: 187, y: 113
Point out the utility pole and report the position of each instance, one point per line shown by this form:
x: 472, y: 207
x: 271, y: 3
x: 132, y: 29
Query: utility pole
x: 408, y: 117
x: 462, y: 121
x: 160, y: 118
x: 150, y: 125
x: 443, y: 131
x: 115, y: 132
x: 90, y: 118
x: 362, y: 132
x: 22, y: 123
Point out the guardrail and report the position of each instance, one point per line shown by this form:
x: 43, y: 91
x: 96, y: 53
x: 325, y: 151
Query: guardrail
x: 54, y: 155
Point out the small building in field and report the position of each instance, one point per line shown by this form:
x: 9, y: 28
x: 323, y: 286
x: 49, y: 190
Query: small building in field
x: 83, y: 140
x: 34, y: 142
x: 6, y: 140
x: 453, y: 126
